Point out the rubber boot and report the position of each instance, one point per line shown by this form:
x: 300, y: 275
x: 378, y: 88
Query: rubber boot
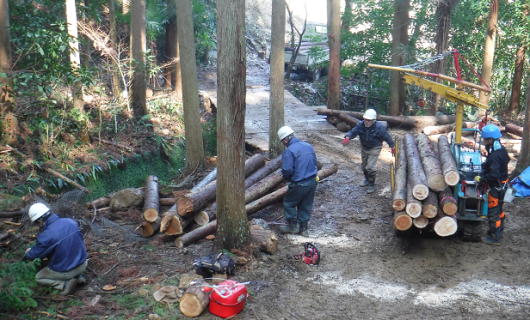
x: 303, y: 229
x: 502, y: 227
x: 365, y: 182
x: 81, y: 280
x: 292, y: 227
x: 371, y: 185
x: 69, y: 287
x: 493, y: 238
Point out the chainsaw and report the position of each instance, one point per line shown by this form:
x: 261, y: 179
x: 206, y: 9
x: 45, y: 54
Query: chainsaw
x: 310, y: 256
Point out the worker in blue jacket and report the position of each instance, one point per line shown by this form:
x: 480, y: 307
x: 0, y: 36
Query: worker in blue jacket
x: 62, y: 243
x: 372, y: 134
x: 299, y: 167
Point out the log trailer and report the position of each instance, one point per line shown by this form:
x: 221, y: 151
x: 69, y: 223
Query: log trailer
x: 470, y: 196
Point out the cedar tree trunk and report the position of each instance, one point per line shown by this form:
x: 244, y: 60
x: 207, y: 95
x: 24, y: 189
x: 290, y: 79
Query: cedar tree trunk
x: 8, y: 121
x: 489, y: 50
x: 276, y: 106
x: 71, y: 20
x: 334, y: 54
x: 138, y: 83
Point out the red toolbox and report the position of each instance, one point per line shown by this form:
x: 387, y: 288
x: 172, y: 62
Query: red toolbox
x: 228, y: 298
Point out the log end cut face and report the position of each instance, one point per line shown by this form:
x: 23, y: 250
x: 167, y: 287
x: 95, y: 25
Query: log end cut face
x: 421, y: 222
x: 450, y: 208
x: 399, y: 205
x: 414, y: 209
x: 420, y: 192
x: 436, y: 182
x: 452, y: 178
x: 446, y: 226
x: 403, y: 222
x: 190, y: 305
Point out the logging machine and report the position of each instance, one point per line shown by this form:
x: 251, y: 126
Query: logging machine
x: 470, y: 196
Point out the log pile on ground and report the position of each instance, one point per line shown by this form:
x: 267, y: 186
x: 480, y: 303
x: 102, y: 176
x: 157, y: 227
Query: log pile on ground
x: 422, y: 185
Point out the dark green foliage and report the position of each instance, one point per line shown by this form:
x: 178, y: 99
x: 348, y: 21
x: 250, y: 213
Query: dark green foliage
x: 209, y: 137
x: 205, y: 28
x: 17, y: 281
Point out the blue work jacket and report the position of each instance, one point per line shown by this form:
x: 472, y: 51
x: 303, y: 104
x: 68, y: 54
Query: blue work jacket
x: 299, y: 161
x: 372, y: 136
x: 61, y: 242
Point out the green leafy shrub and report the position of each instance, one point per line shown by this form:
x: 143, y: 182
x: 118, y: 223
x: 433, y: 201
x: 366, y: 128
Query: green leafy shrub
x: 17, y: 281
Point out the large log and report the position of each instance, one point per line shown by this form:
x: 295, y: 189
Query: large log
x: 172, y: 224
x: 195, y: 235
x: 446, y: 128
x: 413, y: 207
x: 402, y: 221
x: 261, y: 173
x: 148, y: 229
x: 514, y: 129
x: 11, y: 214
x: 420, y: 222
x: 194, y: 300
x: 265, y: 239
x: 415, y: 173
x: 430, y: 205
x: 399, y: 197
x: 447, y: 159
x: 445, y: 225
x: 151, y: 205
x: 447, y: 202
x: 99, y: 202
x: 349, y: 119
x: 209, y: 178
x: 431, y: 163
x: 197, y: 200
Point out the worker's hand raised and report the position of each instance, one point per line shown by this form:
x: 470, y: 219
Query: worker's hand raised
x: 346, y: 141
x: 393, y: 150
x: 477, y: 179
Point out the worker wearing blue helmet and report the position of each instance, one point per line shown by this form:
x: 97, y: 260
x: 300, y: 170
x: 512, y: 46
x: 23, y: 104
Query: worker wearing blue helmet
x: 495, y: 175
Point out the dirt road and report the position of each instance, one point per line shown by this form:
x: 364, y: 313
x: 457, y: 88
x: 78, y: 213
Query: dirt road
x: 367, y: 272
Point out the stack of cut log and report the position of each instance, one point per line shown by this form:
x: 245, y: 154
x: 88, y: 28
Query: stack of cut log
x: 423, y: 178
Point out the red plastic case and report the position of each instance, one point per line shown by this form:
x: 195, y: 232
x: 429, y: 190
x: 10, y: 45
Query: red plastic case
x: 228, y: 299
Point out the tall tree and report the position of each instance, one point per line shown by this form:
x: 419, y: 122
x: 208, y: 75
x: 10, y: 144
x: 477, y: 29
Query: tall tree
x: 232, y: 222
x: 515, y: 99
x: 396, y: 59
x: 114, y: 44
x: 71, y: 19
x: 334, y: 54
x: 347, y: 16
x: 8, y: 121
x: 404, y: 41
x: 138, y: 84
x: 173, y: 72
x: 190, y: 88
x: 276, y: 105
x: 489, y: 49
x: 524, y: 157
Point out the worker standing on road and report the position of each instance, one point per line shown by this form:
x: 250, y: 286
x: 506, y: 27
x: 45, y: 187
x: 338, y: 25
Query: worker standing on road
x: 299, y: 167
x: 372, y: 134
x: 495, y: 175
x: 62, y: 243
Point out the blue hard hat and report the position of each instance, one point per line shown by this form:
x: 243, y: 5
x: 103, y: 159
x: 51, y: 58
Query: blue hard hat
x: 491, y: 131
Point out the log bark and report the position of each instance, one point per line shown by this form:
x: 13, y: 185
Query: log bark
x: 446, y: 128
x: 447, y: 202
x: 167, y: 201
x: 447, y: 159
x: 266, y: 170
x: 514, y: 129
x: 99, y: 203
x: 265, y: 239
x: 402, y: 221
x: 151, y: 206
x: 430, y: 205
x: 194, y: 300
x: 431, y: 163
x: 445, y: 225
x: 399, y: 197
x: 195, y: 235
x: 413, y: 207
x: 172, y: 224
x: 148, y: 229
x: 209, y: 178
x: 348, y: 119
x: 415, y: 173
x: 10, y: 214
x: 197, y: 200
x: 420, y: 222
x: 343, y: 126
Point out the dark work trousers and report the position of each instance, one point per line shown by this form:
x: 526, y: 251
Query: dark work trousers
x: 298, y: 201
x: 495, y: 212
x: 369, y: 161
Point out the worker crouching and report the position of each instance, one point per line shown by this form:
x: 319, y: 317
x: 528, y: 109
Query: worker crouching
x: 62, y: 243
x: 299, y: 167
x: 372, y: 134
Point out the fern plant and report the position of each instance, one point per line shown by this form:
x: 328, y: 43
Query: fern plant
x: 17, y: 281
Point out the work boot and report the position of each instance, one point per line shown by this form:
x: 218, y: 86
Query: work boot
x: 502, y: 227
x: 292, y: 227
x: 493, y: 238
x: 81, y: 280
x: 69, y: 287
x: 371, y: 185
x: 303, y: 229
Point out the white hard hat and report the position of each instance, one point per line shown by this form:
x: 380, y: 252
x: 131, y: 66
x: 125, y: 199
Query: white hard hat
x: 284, y: 132
x: 370, y: 114
x: 37, y: 210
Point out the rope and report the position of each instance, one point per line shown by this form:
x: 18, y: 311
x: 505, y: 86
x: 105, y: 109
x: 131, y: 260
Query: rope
x: 419, y: 65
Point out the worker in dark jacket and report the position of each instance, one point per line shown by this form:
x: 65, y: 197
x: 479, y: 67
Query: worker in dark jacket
x: 372, y: 134
x: 62, y: 243
x: 299, y: 167
x: 495, y: 175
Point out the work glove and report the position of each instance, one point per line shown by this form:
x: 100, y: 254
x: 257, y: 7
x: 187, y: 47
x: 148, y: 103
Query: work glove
x: 318, y: 179
x: 477, y: 179
x: 346, y: 141
x: 393, y: 150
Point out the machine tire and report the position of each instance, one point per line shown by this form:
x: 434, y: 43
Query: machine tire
x: 472, y: 231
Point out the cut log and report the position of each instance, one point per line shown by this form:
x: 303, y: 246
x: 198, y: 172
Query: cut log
x: 209, y: 178
x: 447, y: 160
x: 399, y: 197
x: 420, y: 222
x: 265, y: 239
x: 197, y: 200
x: 167, y: 201
x: 445, y: 225
x: 447, y: 202
x: 431, y: 163
x: 148, y: 229
x: 446, y: 128
x: 99, y: 203
x: 402, y: 221
x: 472, y: 144
x: 266, y: 170
x: 151, y: 205
x: 415, y: 173
x: 194, y: 300
x: 195, y: 235
x: 348, y: 119
x: 430, y: 205
x: 172, y: 224
x: 514, y: 129
x: 202, y: 218
x: 343, y: 126
x: 11, y: 214
x: 413, y: 207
